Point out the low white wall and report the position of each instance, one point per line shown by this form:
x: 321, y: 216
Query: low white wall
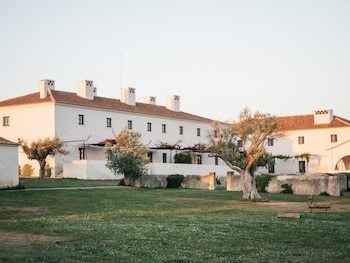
x: 8, y: 166
x: 187, y: 169
x: 88, y: 169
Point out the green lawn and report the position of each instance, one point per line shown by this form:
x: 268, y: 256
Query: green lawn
x: 163, y: 225
x: 53, y: 183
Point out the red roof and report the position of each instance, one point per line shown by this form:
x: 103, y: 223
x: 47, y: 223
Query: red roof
x: 4, y: 141
x: 70, y: 98
x: 305, y: 122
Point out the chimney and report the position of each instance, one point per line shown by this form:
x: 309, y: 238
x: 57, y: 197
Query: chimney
x: 86, y: 89
x: 323, y: 116
x: 44, y: 86
x: 149, y: 100
x: 127, y: 95
x: 173, y: 103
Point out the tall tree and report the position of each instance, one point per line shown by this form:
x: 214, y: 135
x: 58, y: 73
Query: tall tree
x: 127, y: 156
x: 40, y: 149
x: 242, y: 146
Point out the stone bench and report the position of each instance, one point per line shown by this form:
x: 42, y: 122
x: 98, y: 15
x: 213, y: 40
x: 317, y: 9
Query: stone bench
x: 313, y: 206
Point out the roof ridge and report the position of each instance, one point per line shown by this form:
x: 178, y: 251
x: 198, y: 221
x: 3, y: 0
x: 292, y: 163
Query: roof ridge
x: 343, y: 120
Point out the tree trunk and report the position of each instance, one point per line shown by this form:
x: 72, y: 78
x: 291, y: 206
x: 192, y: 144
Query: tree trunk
x: 250, y: 192
x: 42, y: 169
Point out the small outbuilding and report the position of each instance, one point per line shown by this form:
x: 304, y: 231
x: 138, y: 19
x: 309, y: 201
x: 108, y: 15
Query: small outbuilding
x: 8, y: 164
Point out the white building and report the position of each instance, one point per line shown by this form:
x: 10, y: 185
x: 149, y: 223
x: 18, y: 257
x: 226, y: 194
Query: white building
x: 324, y: 136
x: 84, y: 120
x: 8, y: 164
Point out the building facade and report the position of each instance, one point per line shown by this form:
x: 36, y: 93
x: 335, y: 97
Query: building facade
x: 84, y: 121
x: 315, y: 143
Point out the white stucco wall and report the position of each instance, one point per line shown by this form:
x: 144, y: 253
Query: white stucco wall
x: 29, y: 122
x: 316, y: 142
x: 8, y: 166
x: 88, y: 169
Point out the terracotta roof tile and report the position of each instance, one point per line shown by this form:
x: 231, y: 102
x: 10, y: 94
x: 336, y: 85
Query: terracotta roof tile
x: 4, y: 141
x: 102, y: 103
x: 305, y: 122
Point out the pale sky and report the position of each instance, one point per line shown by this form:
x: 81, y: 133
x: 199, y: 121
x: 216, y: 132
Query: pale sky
x: 281, y: 57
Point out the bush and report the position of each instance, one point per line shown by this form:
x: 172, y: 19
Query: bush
x: 262, y: 182
x: 324, y: 194
x: 183, y: 157
x: 174, y: 180
x: 48, y: 170
x: 287, y: 189
x: 27, y: 170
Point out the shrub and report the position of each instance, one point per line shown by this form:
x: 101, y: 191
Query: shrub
x: 287, y: 189
x: 175, y: 180
x: 121, y: 183
x: 48, y: 170
x: 27, y: 170
x: 183, y: 157
x: 262, y: 182
x: 324, y: 194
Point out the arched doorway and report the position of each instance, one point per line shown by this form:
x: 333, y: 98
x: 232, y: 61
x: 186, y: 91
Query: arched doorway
x: 343, y: 164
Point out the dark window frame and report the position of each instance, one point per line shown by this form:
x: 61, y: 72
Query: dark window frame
x: 301, y: 140
x: 163, y: 128
x: 81, y: 119
x: 129, y: 124
x: 181, y: 130
x: 198, y: 132
x: 164, y: 156
x: 6, y: 121
x: 270, y: 141
x: 149, y: 126
x: 109, y: 122
x: 334, y: 138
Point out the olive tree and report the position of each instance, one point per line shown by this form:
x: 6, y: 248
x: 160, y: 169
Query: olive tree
x: 241, y: 145
x: 40, y: 149
x: 127, y: 156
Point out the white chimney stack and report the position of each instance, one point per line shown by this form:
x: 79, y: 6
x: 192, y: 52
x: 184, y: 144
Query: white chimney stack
x: 149, y: 100
x: 323, y: 116
x: 86, y: 89
x: 173, y: 103
x: 44, y: 86
x: 127, y: 95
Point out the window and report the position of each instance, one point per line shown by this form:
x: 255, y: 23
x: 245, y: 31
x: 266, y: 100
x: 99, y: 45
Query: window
x: 149, y: 126
x: 198, y: 132
x: 164, y: 157
x: 109, y: 122
x: 271, y: 168
x: 334, y: 138
x: 301, y: 140
x: 270, y: 141
x: 181, y: 130
x: 302, y: 167
x: 6, y: 121
x: 216, y: 160
x: 163, y: 128
x: 82, y: 154
x: 129, y: 124
x: 150, y: 157
x: 81, y: 119
x: 199, y: 159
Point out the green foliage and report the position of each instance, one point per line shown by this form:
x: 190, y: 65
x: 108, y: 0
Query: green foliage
x: 324, y: 194
x: 183, y: 157
x: 262, y: 182
x: 287, y: 189
x: 48, y: 170
x: 19, y: 170
x: 128, y: 156
x: 175, y: 180
x: 27, y: 170
x: 283, y: 157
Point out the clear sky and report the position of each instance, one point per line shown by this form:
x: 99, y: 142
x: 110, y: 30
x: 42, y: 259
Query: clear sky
x: 281, y: 57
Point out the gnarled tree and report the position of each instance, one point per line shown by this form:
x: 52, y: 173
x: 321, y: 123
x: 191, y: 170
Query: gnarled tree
x: 40, y: 149
x: 242, y: 146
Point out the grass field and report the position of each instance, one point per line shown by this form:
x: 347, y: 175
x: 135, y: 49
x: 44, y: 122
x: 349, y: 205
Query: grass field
x: 163, y: 225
